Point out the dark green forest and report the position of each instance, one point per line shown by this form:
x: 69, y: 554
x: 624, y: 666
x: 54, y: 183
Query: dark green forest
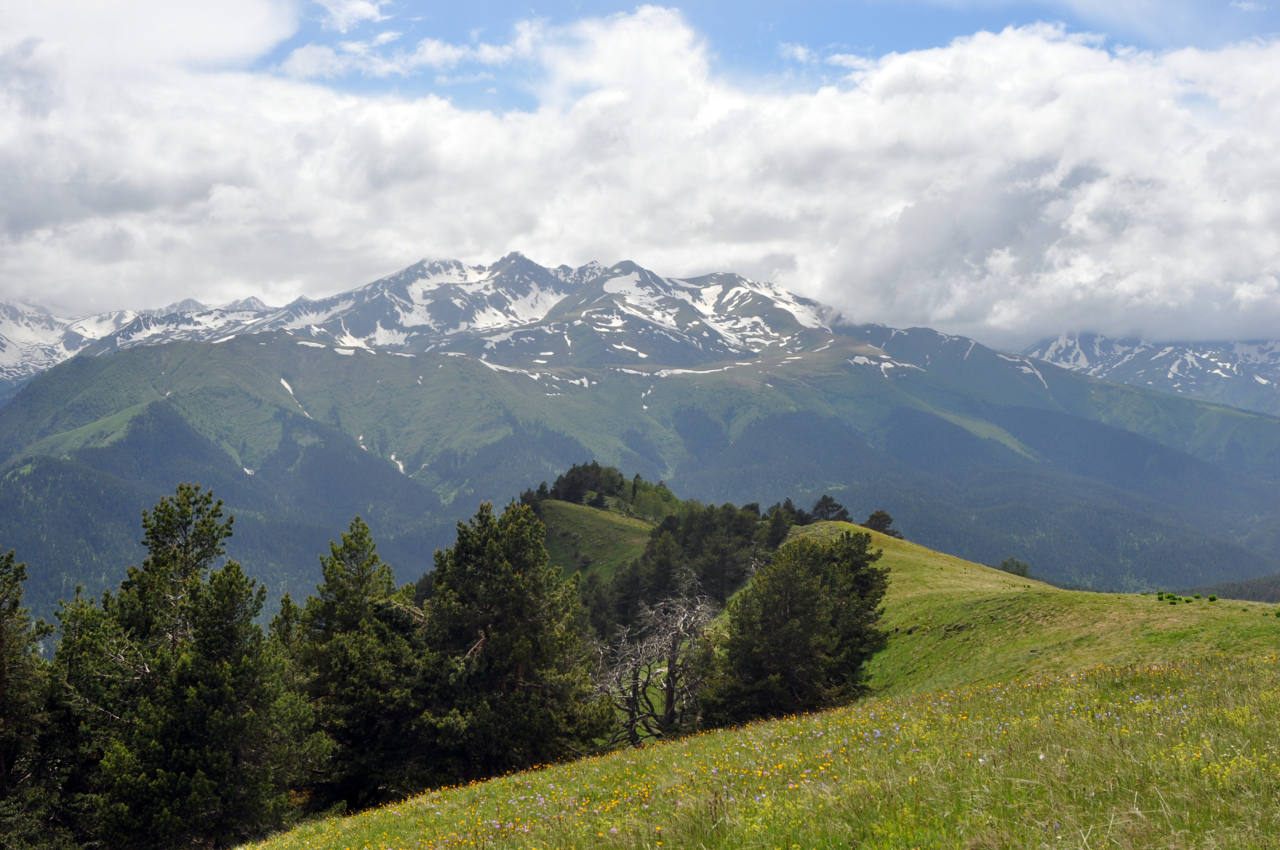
x: 165, y: 713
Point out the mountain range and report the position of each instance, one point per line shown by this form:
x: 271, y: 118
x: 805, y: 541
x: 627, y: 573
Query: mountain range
x: 514, y: 312
x: 414, y: 397
x: 1241, y: 374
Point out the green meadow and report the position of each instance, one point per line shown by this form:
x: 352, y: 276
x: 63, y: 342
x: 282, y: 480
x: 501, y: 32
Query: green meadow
x: 590, y: 540
x: 1004, y: 713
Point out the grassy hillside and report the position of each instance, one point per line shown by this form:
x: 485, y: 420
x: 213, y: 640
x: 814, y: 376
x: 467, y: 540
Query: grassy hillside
x: 1006, y: 713
x: 955, y: 623
x: 591, y: 540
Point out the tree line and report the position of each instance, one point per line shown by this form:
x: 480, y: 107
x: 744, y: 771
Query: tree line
x: 167, y: 715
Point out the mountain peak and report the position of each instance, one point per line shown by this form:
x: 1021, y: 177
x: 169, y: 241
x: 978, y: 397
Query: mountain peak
x: 247, y: 305
x: 186, y: 305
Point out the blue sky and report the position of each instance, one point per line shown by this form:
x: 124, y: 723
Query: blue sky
x: 996, y: 169
x: 753, y: 38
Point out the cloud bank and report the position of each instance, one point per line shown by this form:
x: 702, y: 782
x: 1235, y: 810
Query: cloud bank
x: 1006, y: 186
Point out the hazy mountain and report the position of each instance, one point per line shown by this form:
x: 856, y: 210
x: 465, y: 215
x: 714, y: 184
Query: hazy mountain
x: 1241, y: 374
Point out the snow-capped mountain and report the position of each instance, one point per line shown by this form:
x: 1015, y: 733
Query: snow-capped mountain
x: 513, y: 313
x: 1241, y: 374
x: 516, y: 312
x: 32, y: 340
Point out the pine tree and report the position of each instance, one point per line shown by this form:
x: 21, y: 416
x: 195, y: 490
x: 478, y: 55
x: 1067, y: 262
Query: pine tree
x: 27, y: 801
x: 800, y: 633
x: 96, y: 673
x: 357, y: 649
x: 172, y: 723
x: 827, y: 508
x: 881, y: 521
x: 184, y: 535
x: 21, y: 674
x: 208, y: 738
x: 210, y: 753
x: 508, y: 630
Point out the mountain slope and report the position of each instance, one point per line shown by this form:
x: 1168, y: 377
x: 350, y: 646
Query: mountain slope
x: 1007, y: 713
x: 591, y: 540
x: 975, y: 454
x: 33, y: 340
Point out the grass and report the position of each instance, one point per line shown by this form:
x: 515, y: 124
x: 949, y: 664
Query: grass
x: 592, y: 540
x: 955, y: 623
x: 102, y: 432
x: 1161, y: 756
x: 1005, y: 713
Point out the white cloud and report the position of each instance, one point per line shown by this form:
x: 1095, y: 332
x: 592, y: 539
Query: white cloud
x: 369, y: 57
x: 796, y: 53
x: 342, y: 15
x: 127, y: 34
x: 1005, y: 186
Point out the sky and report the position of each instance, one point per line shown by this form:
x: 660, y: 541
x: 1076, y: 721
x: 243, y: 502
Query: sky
x: 1003, y: 170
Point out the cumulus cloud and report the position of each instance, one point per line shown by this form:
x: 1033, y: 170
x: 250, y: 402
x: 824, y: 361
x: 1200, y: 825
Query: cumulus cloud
x: 1005, y: 186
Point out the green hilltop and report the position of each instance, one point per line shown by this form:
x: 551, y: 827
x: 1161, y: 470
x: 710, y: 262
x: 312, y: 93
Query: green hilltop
x: 1004, y: 712
x: 591, y: 540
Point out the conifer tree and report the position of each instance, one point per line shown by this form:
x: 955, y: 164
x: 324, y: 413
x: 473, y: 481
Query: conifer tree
x: 21, y: 674
x: 211, y: 751
x: 184, y: 535
x: 508, y: 630
x: 96, y: 673
x: 358, y: 651
x: 827, y: 508
x: 26, y: 803
x: 800, y: 633
x: 173, y: 724
x: 881, y: 521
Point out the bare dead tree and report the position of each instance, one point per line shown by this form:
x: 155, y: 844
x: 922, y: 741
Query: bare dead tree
x: 654, y: 671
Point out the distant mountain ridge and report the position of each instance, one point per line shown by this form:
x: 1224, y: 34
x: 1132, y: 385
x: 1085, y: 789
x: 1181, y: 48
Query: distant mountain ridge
x: 1241, y: 374
x: 514, y: 311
